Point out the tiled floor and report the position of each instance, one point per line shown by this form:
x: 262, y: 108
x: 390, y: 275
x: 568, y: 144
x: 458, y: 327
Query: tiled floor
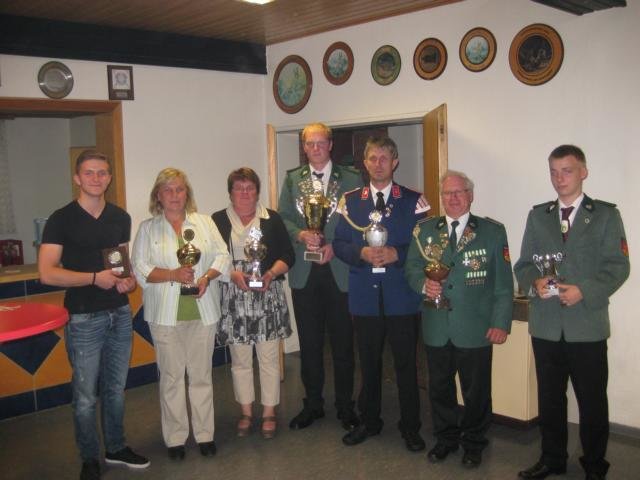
x: 41, y: 446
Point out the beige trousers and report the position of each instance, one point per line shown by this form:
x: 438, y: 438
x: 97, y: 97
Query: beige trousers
x: 242, y: 372
x: 185, y: 348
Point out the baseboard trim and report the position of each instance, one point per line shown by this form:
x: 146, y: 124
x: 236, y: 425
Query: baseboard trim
x: 515, y: 422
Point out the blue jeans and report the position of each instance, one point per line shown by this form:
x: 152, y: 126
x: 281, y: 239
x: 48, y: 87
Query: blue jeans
x: 99, y: 348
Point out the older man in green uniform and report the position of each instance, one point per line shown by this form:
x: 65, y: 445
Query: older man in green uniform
x: 319, y: 287
x: 569, y: 323
x: 459, y: 337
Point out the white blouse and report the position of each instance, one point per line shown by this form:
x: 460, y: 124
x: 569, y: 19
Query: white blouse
x: 156, y: 245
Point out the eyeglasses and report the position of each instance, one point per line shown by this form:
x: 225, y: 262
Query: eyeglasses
x: 247, y: 189
x: 320, y: 144
x: 454, y: 193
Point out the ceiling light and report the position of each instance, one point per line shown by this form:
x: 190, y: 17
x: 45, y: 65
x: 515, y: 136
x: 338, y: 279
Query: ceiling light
x: 257, y: 2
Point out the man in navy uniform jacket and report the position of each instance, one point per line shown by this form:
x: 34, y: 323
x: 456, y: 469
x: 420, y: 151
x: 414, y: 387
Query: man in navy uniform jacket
x: 379, y: 296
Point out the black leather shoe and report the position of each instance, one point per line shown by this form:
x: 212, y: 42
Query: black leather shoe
x: 305, y: 418
x: 176, y: 453
x: 413, y: 441
x: 541, y: 470
x: 208, y: 449
x: 348, y: 419
x: 595, y: 476
x: 440, y: 452
x: 358, y: 435
x: 472, y: 458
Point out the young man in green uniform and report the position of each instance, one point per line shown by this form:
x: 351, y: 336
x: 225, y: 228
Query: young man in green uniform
x: 569, y: 324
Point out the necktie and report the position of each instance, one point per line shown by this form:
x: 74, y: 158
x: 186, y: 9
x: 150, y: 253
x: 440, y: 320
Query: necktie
x: 453, y: 238
x: 565, y: 224
x: 318, y: 176
x: 380, y: 201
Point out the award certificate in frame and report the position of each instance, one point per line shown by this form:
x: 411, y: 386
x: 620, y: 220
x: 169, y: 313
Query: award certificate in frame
x: 292, y: 84
x: 120, y: 80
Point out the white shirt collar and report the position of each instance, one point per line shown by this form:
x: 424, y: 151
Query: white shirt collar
x: 385, y: 192
x: 576, y: 205
x: 463, y: 219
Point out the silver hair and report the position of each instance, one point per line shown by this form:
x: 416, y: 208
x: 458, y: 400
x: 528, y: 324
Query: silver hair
x: 455, y: 173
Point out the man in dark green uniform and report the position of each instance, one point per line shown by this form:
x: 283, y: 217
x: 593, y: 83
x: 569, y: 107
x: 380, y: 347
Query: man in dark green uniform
x: 569, y: 324
x: 319, y: 288
x: 459, y: 337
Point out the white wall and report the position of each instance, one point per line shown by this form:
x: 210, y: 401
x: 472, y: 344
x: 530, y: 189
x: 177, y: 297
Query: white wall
x: 38, y: 150
x: 408, y: 138
x: 500, y: 130
x: 204, y: 122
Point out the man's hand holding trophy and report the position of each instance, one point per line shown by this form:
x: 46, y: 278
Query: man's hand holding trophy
x: 316, y: 208
x: 547, y: 264
x: 375, y: 234
x: 434, y: 270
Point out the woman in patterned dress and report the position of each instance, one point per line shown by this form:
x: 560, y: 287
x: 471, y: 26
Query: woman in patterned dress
x: 255, y: 316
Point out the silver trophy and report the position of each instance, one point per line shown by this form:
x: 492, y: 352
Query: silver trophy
x: 548, y: 263
x: 375, y: 234
x: 316, y: 208
x: 255, y: 251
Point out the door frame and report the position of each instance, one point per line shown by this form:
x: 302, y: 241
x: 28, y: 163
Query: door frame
x: 109, y: 136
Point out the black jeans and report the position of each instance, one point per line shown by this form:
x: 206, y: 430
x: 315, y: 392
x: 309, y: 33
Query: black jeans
x: 318, y: 305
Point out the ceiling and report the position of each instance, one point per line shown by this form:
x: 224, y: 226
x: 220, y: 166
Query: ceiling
x: 222, y: 19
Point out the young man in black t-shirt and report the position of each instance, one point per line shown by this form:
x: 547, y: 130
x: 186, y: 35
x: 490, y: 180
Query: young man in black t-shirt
x: 99, y: 333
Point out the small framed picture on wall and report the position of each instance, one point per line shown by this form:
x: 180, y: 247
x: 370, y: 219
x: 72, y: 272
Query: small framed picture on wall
x: 120, y: 79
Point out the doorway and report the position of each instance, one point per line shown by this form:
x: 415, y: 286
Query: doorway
x: 105, y: 121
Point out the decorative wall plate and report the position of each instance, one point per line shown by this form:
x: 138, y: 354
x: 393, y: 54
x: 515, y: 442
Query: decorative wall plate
x: 55, y: 80
x: 292, y: 84
x: 385, y: 65
x: 337, y: 63
x: 430, y: 58
x: 536, y: 54
x: 477, y: 49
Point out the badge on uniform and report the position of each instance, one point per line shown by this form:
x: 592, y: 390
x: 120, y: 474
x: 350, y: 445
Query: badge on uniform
x: 505, y: 254
x: 624, y: 247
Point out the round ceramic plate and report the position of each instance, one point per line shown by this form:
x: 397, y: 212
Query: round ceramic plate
x: 55, y: 80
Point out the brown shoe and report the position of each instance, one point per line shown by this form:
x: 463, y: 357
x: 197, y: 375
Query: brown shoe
x: 269, y: 432
x: 245, y: 424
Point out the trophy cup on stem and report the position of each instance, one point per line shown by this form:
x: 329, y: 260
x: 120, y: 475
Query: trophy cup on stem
x: 316, y: 208
x: 255, y: 251
x: 375, y: 234
x: 434, y: 270
x: 188, y: 256
x: 547, y: 264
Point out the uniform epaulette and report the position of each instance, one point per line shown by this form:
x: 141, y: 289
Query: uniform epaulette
x: 431, y: 218
x: 606, y: 204
x: 291, y: 170
x: 351, y: 169
x: 352, y: 191
x: 496, y: 222
x: 544, y: 204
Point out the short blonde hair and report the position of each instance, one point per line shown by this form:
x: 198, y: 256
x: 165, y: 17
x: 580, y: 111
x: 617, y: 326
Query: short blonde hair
x: 317, y: 127
x: 165, y: 176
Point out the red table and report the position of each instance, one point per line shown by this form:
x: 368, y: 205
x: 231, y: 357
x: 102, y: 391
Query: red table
x: 20, y: 320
